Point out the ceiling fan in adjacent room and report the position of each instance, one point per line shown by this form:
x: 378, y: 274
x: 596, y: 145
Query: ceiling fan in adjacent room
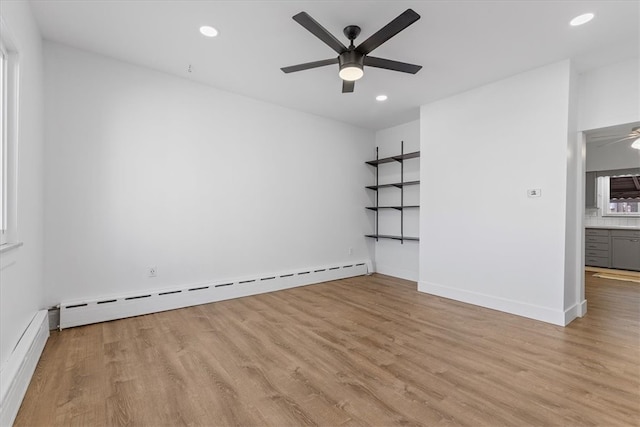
x: 634, y: 134
x: 352, y: 59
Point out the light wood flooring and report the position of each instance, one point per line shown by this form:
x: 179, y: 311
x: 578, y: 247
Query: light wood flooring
x: 362, y: 351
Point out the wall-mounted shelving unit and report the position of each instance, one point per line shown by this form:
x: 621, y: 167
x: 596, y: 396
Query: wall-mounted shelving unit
x: 398, y: 185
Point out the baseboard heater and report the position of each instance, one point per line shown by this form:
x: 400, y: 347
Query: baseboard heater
x: 84, y: 312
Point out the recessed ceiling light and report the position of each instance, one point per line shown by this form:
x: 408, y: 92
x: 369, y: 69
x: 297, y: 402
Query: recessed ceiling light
x: 208, y: 31
x: 582, y: 19
x: 381, y: 98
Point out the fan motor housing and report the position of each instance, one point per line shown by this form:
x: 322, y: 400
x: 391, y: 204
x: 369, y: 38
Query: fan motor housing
x: 351, y: 58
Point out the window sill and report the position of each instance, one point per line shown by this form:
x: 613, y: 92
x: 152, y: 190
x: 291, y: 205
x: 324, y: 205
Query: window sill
x: 9, y: 246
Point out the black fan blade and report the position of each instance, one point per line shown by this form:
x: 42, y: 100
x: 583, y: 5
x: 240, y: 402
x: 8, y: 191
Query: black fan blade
x: 319, y: 31
x: 347, y: 86
x: 405, y: 19
x: 309, y: 65
x: 388, y: 64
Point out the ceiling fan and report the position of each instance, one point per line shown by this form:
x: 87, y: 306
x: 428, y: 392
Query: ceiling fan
x: 634, y: 134
x: 352, y: 59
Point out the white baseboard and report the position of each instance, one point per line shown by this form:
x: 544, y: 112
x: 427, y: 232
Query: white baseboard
x: 17, y: 372
x: 545, y: 314
x: 577, y: 310
x: 94, y: 310
x: 400, y: 273
x: 583, y: 308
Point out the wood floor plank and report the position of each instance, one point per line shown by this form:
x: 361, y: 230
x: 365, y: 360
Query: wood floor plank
x: 369, y: 350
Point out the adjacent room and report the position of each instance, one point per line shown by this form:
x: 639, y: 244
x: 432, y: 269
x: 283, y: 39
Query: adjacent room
x: 323, y: 213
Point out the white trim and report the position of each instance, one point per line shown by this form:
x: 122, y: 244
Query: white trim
x: 582, y: 308
x: 545, y: 314
x: 6, y: 247
x: 94, y: 310
x: 401, y: 273
x: 577, y: 310
x: 9, y: 217
x: 16, y: 374
x: 4, y: 68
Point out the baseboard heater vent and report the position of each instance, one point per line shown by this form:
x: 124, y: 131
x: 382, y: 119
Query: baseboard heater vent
x: 137, y: 297
x: 84, y: 312
x: 77, y: 305
x: 169, y: 293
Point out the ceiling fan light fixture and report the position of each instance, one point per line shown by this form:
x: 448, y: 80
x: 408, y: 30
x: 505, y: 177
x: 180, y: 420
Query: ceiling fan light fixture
x: 351, y: 73
x: 351, y: 65
x: 636, y: 144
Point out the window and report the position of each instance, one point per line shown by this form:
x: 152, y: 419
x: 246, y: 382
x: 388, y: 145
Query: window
x: 621, y: 195
x: 3, y: 144
x: 8, y: 137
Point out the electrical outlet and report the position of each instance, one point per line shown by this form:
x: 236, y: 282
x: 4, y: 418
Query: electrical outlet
x: 153, y: 272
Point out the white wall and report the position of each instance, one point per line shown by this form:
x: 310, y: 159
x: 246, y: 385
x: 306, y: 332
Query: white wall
x: 147, y: 169
x: 391, y: 256
x: 21, y: 279
x: 613, y: 156
x: 482, y: 240
x: 609, y: 95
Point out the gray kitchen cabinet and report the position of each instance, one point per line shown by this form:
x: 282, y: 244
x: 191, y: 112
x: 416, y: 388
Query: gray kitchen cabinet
x: 590, y: 191
x: 596, y: 247
x: 625, y: 249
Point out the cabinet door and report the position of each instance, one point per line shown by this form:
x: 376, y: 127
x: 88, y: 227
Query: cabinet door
x: 590, y: 192
x: 625, y: 253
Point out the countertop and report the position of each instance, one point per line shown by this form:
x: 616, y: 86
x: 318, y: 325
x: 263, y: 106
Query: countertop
x: 614, y: 227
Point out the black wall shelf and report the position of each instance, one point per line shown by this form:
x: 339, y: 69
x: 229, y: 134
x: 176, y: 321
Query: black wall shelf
x: 388, y: 236
x: 395, y: 184
x: 399, y: 158
x: 399, y: 208
x: 400, y: 185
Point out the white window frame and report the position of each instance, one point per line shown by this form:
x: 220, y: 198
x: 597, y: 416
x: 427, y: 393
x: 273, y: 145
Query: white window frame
x: 604, y: 195
x: 8, y: 140
x: 4, y: 59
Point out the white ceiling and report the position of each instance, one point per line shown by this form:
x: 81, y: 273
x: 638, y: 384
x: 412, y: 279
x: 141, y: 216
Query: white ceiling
x: 460, y: 44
